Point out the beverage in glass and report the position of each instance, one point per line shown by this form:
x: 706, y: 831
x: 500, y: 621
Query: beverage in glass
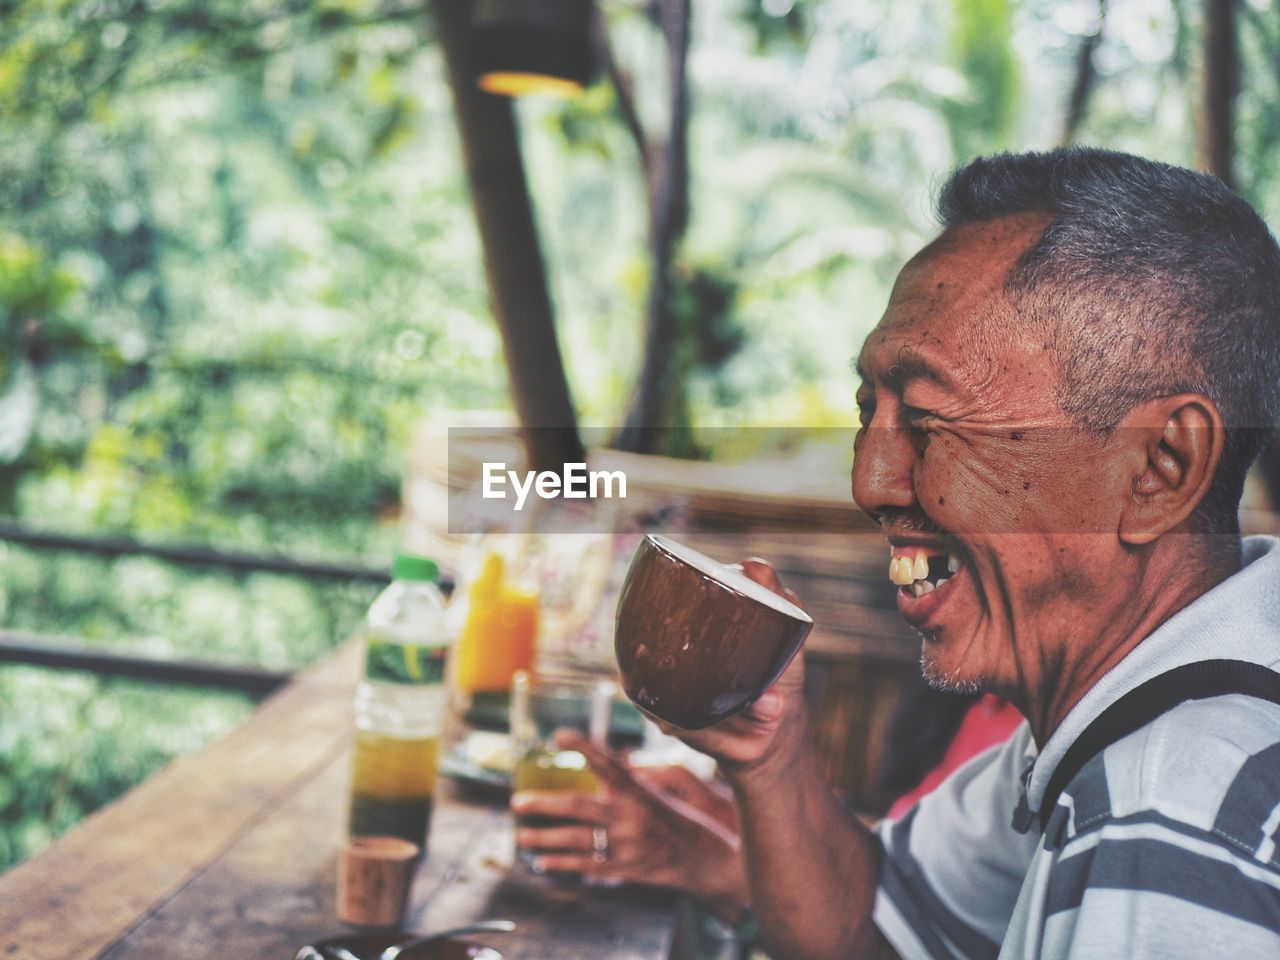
x: 540, y: 705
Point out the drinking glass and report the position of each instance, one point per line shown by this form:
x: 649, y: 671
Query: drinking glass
x: 540, y: 705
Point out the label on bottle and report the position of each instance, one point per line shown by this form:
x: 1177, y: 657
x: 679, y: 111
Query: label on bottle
x: 386, y: 661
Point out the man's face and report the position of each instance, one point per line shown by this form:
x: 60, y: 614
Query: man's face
x: 997, y: 509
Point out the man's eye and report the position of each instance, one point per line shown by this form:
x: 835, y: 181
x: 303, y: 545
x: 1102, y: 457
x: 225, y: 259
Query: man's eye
x: 866, y: 413
x: 916, y: 417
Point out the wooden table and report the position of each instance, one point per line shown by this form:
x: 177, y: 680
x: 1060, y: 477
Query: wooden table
x: 231, y: 853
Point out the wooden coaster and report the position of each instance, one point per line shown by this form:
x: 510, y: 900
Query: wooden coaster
x: 374, y: 876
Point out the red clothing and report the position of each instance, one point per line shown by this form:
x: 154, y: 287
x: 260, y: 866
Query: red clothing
x: 988, y: 721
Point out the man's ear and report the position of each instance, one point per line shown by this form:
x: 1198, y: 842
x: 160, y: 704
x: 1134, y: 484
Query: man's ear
x: 1176, y: 444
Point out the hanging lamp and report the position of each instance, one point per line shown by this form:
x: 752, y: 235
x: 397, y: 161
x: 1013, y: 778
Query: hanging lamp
x: 532, y: 47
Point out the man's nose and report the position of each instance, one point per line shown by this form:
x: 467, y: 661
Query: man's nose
x: 882, y: 469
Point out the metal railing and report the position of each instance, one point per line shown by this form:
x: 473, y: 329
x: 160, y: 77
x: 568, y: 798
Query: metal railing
x: 46, y: 650
x: 14, y: 532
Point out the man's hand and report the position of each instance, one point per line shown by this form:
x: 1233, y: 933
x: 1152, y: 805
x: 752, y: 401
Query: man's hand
x: 812, y: 867
x: 772, y: 727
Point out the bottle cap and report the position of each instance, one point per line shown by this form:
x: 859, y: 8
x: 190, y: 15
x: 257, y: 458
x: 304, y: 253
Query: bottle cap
x: 409, y: 567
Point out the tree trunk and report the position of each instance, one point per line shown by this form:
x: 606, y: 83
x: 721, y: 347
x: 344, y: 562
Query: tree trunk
x: 659, y: 398
x: 513, y: 260
x: 1217, y: 149
x: 1086, y: 75
x: 1221, y: 83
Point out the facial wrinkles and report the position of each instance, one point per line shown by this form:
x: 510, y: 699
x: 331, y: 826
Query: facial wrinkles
x: 982, y: 468
x: 1019, y: 484
x: 1085, y: 586
x: 1015, y: 588
x: 983, y: 446
x: 994, y: 412
x: 1006, y: 604
x: 1042, y: 625
x: 1062, y: 619
x: 968, y: 459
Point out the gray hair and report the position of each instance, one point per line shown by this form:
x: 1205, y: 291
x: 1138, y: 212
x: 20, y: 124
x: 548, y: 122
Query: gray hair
x: 1150, y: 280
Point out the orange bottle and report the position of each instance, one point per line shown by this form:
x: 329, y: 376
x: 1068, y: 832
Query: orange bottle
x: 499, y: 634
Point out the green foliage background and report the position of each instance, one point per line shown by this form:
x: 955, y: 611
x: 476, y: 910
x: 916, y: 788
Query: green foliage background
x: 237, y: 266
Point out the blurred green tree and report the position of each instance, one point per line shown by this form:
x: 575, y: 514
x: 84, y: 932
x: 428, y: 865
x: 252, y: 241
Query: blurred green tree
x: 253, y: 325
x: 235, y: 269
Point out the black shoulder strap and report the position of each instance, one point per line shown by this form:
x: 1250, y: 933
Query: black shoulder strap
x: 1142, y: 704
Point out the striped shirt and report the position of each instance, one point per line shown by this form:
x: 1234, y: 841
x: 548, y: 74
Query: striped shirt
x: 1164, y: 846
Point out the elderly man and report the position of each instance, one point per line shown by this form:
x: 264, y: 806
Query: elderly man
x: 1058, y: 410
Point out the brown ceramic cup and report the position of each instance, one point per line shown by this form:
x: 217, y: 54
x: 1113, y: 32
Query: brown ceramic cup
x: 697, y: 641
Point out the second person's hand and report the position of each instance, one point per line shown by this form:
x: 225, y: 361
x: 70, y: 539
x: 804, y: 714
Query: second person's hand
x: 650, y: 835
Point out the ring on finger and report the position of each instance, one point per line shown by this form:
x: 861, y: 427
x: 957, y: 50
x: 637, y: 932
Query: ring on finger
x: 599, y: 844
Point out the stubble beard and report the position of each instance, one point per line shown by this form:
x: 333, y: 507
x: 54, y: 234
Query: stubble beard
x: 940, y: 678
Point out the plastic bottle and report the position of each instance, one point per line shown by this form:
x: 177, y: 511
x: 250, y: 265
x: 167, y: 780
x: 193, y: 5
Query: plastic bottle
x: 400, y: 705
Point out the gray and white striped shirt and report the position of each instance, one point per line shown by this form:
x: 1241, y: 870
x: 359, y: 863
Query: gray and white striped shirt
x: 1162, y: 847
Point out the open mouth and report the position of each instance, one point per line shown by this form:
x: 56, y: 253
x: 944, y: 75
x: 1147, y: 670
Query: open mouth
x: 920, y: 570
x: 932, y: 574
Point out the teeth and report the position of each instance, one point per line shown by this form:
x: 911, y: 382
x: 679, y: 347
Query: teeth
x: 912, y: 570
x: 905, y: 569
x: 921, y: 568
x: 900, y: 570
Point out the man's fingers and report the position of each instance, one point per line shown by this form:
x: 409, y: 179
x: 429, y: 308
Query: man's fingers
x: 554, y: 838
x: 673, y: 779
x: 768, y: 708
x: 762, y: 572
x: 609, y: 768
x: 561, y: 803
